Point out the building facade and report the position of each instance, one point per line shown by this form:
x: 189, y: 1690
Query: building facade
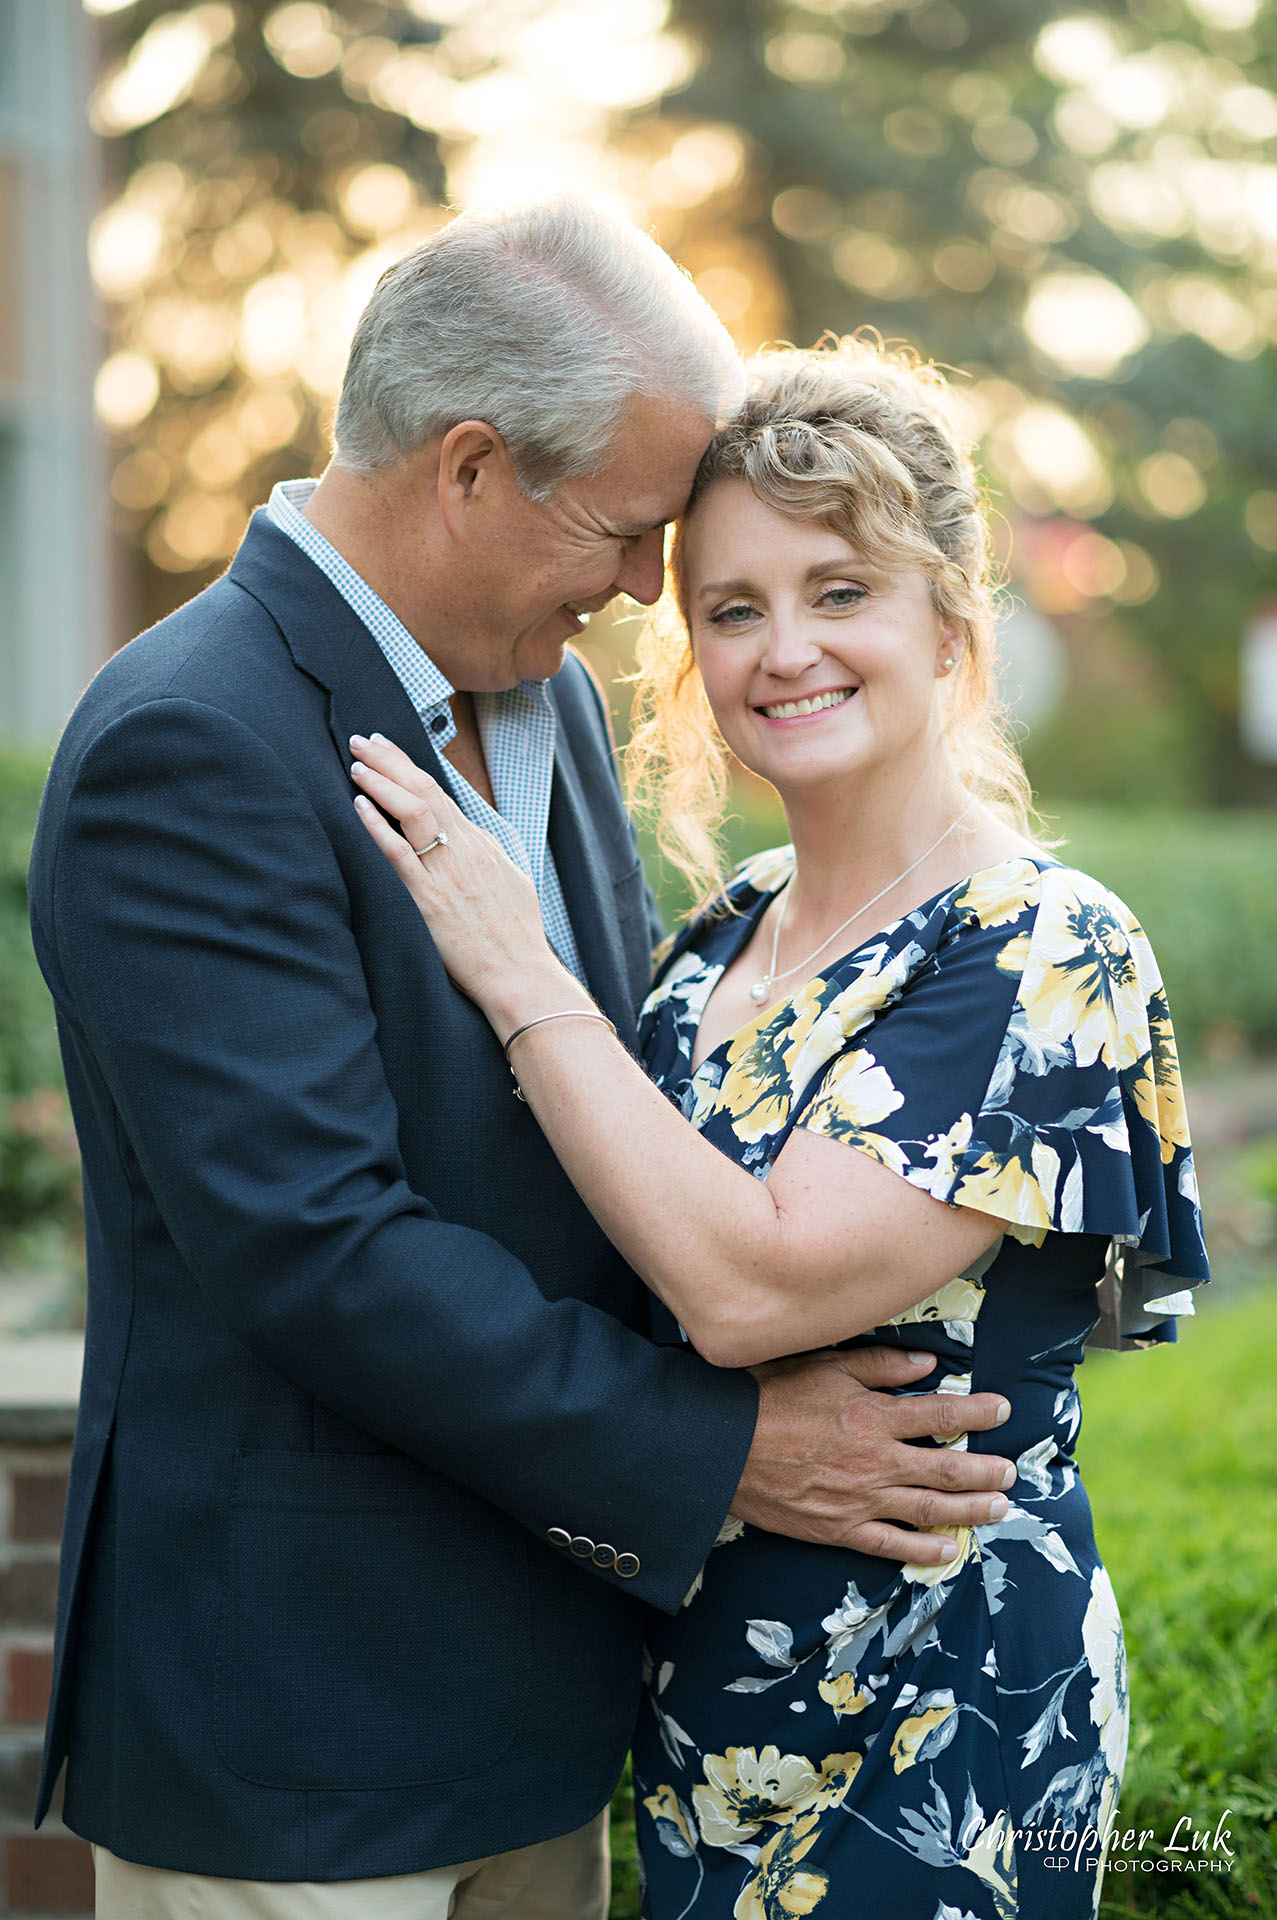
x: 54, y: 615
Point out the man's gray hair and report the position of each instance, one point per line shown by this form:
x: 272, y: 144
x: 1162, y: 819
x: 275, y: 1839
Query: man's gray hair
x: 542, y: 320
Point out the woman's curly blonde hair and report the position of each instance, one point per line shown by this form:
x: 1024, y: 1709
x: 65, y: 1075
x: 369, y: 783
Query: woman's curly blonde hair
x: 867, y: 441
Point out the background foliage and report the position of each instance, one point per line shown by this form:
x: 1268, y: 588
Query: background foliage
x: 1077, y: 208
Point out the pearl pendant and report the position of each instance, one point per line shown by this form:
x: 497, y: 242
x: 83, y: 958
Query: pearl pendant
x: 758, y: 992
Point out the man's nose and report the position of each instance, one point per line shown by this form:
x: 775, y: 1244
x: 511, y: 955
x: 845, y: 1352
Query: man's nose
x: 642, y: 571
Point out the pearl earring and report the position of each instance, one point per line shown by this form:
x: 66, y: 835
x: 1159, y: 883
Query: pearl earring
x: 947, y: 663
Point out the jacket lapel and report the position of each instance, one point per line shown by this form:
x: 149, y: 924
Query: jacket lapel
x: 330, y: 644
x: 588, y: 890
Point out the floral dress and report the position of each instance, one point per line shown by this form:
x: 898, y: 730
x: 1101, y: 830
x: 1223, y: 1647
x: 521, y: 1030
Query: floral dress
x: 824, y: 1731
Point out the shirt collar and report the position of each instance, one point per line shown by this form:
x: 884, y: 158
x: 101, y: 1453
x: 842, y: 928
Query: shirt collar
x: 287, y: 499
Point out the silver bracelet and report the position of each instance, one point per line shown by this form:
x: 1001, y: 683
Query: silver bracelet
x: 568, y: 1013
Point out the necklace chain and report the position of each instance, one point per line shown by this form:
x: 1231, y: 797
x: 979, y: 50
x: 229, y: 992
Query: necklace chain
x: 761, y: 990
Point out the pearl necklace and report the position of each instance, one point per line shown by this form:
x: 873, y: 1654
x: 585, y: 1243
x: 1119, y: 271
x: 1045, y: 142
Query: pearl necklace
x: 761, y: 990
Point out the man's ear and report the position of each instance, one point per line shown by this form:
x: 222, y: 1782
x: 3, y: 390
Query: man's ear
x: 473, y: 465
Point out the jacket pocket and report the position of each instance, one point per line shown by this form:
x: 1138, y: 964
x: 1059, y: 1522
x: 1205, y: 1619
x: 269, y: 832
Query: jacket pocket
x: 374, y: 1627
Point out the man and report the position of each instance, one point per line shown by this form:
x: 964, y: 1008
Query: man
x: 374, y: 1461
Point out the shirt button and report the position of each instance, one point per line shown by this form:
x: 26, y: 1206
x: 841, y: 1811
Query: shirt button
x: 559, y: 1538
x: 627, y: 1565
x: 439, y: 724
x: 583, y: 1547
x: 604, y: 1556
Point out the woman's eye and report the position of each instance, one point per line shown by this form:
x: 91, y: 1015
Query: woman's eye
x: 732, y: 616
x: 842, y: 596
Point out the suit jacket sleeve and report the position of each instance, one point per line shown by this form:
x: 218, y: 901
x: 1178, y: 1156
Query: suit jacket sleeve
x: 200, y: 939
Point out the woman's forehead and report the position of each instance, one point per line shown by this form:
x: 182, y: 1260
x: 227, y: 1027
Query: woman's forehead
x: 730, y: 514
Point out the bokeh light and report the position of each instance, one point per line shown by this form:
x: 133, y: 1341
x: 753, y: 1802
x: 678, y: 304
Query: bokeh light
x: 1084, y: 323
x: 162, y: 68
x: 125, y: 390
x: 1087, y: 222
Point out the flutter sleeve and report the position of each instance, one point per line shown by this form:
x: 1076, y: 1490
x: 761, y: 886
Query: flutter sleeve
x: 1029, y: 1072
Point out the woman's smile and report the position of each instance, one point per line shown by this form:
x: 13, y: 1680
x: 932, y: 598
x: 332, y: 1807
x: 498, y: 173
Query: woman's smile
x: 808, y: 707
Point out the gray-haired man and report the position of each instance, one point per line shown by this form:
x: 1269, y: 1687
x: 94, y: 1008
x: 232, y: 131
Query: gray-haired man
x: 375, y: 1462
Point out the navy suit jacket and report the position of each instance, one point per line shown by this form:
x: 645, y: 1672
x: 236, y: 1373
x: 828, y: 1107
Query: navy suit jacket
x: 354, y: 1346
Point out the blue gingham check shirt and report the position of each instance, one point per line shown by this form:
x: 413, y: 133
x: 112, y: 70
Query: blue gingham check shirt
x: 517, y: 727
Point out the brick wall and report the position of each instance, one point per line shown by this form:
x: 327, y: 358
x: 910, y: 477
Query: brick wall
x: 49, y: 1872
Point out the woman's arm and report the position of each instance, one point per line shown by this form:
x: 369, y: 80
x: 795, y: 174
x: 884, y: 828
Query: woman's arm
x: 830, y: 1245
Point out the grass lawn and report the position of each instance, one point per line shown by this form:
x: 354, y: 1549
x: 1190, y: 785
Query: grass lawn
x: 1179, y: 1449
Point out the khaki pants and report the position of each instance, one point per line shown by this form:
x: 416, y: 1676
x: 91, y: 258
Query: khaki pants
x: 564, y: 1879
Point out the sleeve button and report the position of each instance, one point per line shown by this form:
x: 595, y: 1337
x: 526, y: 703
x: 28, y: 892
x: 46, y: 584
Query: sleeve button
x: 583, y: 1547
x: 627, y: 1565
x: 604, y: 1556
x: 559, y: 1538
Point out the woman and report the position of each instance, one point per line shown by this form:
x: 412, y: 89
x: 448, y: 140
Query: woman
x: 910, y: 1079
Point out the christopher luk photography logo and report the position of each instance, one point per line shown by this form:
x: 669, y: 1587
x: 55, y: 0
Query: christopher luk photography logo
x: 1191, y: 1847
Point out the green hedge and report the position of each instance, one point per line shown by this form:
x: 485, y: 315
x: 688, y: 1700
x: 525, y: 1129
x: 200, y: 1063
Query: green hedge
x: 39, y: 1167
x: 1204, y: 886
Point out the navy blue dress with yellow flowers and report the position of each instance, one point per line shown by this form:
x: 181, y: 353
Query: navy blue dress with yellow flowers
x: 827, y: 1732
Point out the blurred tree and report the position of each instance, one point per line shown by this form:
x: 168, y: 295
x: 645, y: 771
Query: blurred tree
x: 1078, y: 210
x: 253, y: 179
x: 1081, y: 212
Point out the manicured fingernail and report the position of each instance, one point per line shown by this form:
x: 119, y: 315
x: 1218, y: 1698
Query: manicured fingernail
x: 922, y: 1359
x: 381, y: 740
x: 948, y: 1551
x: 997, y: 1507
x: 1003, y: 1413
x: 358, y: 740
x: 1008, y: 1479
x: 364, y: 804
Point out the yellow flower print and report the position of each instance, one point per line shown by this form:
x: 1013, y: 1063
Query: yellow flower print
x: 946, y: 1150
x: 757, y: 1087
x: 746, y: 1787
x: 876, y: 1145
x: 959, y: 1299
x: 1082, y: 983
x: 1106, y: 1657
x: 778, y: 1889
x: 673, y: 1824
x: 837, y: 1772
x: 1013, y: 956
x: 918, y: 1738
x: 857, y: 1093
x: 860, y: 1091
x: 1155, y: 1083
x: 991, y: 1858
x: 878, y: 981
x: 843, y: 1695
x: 1006, y: 1187
x: 998, y: 895
x: 968, y: 1548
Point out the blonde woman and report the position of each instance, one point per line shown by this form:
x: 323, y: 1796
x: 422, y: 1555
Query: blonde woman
x: 907, y: 1079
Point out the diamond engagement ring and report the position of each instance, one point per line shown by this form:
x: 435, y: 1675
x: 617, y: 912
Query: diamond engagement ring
x: 440, y: 840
